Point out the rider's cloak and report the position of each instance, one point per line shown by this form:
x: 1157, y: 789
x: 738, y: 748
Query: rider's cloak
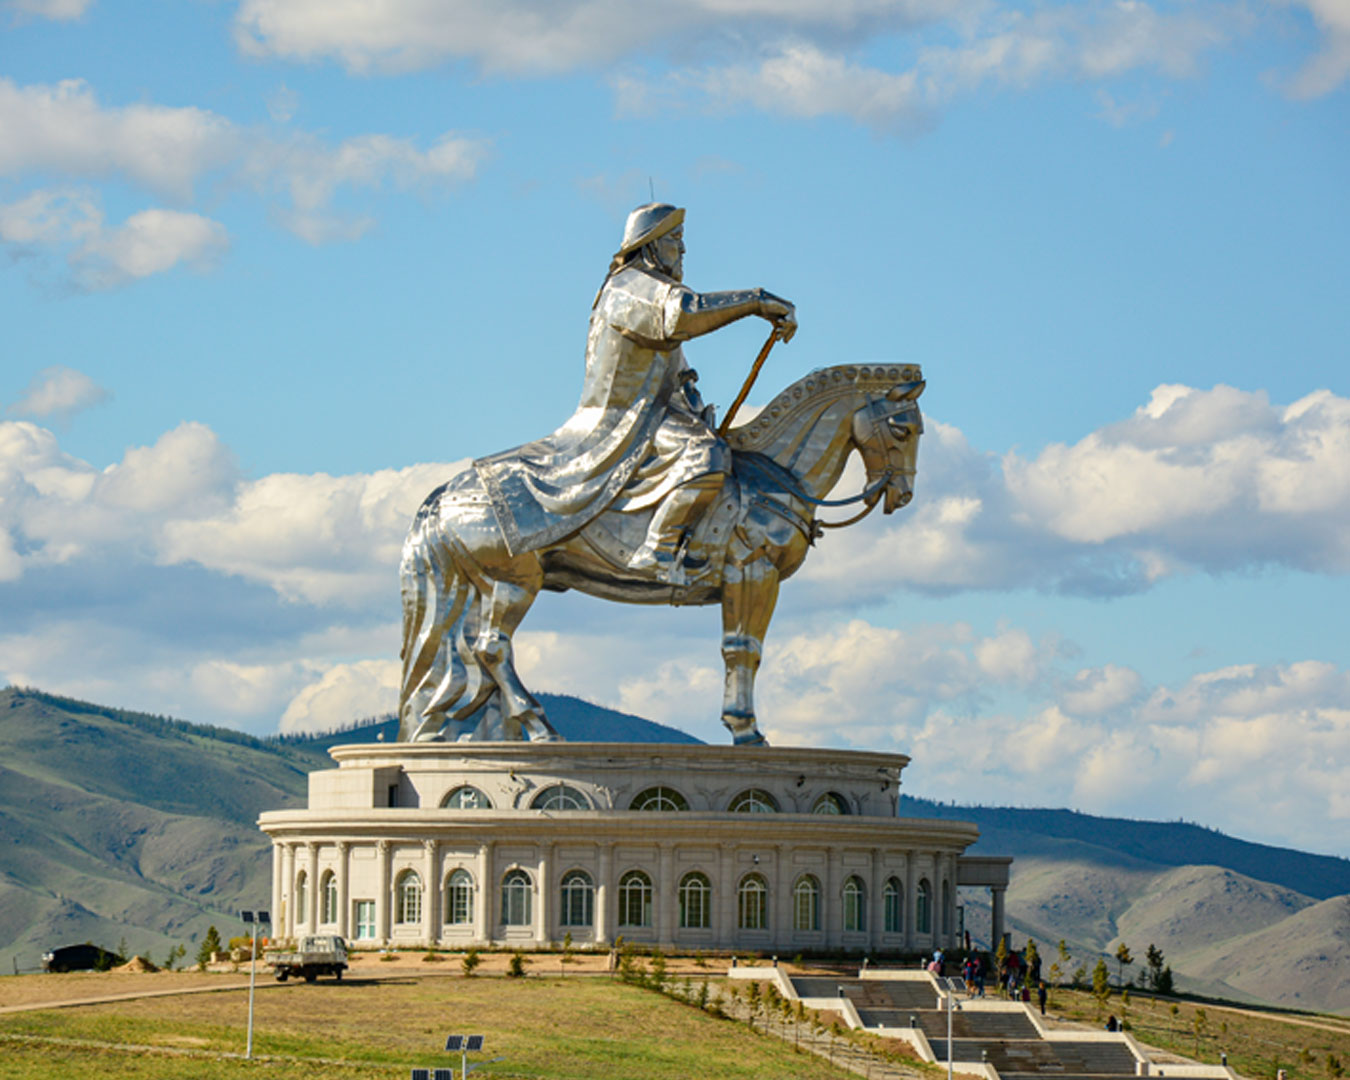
x: 634, y: 435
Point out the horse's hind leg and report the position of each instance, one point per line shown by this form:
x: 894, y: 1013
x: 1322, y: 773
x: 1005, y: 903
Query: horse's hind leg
x: 502, y: 611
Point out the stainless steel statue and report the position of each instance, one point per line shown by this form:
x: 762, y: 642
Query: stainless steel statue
x: 637, y: 498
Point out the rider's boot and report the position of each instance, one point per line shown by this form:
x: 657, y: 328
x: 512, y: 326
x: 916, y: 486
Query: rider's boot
x: 667, y: 536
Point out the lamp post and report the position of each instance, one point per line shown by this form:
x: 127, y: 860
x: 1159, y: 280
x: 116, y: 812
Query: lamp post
x: 253, y: 919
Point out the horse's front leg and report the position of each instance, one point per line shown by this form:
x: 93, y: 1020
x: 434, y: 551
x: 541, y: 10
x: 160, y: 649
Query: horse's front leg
x: 503, y: 609
x: 749, y: 593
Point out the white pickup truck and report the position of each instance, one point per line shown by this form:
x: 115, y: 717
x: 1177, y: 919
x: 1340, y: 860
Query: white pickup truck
x: 319, y: 954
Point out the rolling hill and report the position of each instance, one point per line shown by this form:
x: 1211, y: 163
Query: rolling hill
x: 117, y: 825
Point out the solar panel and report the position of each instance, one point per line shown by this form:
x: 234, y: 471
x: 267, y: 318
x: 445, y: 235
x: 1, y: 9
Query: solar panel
x: 454, y: 1043
x: 442, y: 1074
x: 421, y: 1074
x: 475, y: 1043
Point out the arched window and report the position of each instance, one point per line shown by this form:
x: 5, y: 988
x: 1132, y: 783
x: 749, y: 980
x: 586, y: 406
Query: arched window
x: 467, y: 798
x: 459, y: 898
x: 635, y: 899
x: 754, y: 801
x: 301, y: 897
x: 806, y: 903
x: 830, y: 803
x: 894, y: 917
x: 923, y: 915
x: 752, y: 903
x: 408, y: 898
x: 695, y: 901
x: 855, y: 905
x: 946, y: 907
x: 578, y: 899
x: 517, y: 892
x: 328, y: 891
x: 560, y: 797
x: 659, y: 798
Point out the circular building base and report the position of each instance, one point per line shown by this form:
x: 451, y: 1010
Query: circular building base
x: 685, y: 846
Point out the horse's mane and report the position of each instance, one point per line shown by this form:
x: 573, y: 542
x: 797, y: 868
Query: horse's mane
x: 821, y: 386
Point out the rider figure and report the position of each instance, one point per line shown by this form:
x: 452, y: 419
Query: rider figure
x: 640, y: 436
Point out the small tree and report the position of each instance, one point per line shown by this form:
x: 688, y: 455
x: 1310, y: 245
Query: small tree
x: 1033, y: 959
x: 1001, y: 960
x: 658, y: 975
x: 1079, y: 977
x: 1101, y: 985
x: 1175, y: 1011
x: 1334, y: 1067
x: 469, y: 962
x: 1198, y: 1023
x: 1153, y: 958
x: 210, y: 944
x: 174, y: 955
x: 567, y: 951
x: 515, y: 967
x: 1123, y: 960
x: 752, y: 1001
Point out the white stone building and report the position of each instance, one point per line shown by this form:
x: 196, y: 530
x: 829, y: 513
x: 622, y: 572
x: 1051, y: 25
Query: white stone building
x: 686, y: 846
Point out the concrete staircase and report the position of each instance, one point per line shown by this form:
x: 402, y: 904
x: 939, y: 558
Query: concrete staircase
x: 1000, y: 1040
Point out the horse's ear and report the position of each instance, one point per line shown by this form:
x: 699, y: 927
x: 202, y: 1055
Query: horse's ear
x: 908, y: 391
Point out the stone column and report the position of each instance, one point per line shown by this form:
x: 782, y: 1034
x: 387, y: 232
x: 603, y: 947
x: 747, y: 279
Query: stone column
x: 724, y: 907
x: 602, y: 905
x: 543, y: 890
x: 996, y: 905
x: 383, y: 899
x: 665, y: 895
x: 344, y: 884
x: 876, y: 902
x: 832, y: 918
x: 911, y: 904
x: 782, y: 897
x: 312, y: 894
x: 278, y: 879
x: 287, y: 915
x: 431, y: 907
x: 483, y: 917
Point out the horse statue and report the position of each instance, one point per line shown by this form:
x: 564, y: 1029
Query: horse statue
x: 464, y: 593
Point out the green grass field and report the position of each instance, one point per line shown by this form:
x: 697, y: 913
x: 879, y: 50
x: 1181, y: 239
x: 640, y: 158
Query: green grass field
x: 1307, y: 1046
x: 542, y: 1027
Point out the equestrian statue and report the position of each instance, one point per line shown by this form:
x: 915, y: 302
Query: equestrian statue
x: 639, y: 498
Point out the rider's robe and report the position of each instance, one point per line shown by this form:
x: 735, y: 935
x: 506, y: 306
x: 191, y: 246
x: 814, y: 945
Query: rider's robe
x: 634, y: 435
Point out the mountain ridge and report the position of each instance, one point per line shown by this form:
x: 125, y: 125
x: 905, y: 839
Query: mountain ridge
x: 116, y: 824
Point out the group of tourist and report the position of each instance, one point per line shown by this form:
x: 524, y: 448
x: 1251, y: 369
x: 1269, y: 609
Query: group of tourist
x: 1015, y: 977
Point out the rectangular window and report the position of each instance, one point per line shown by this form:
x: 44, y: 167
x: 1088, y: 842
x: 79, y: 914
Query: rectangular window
x: 365, y: 920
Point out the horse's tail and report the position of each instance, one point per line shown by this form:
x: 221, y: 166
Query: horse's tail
x: 443, y: 679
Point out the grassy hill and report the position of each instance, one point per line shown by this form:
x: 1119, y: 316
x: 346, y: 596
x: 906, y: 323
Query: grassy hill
x: 1235, y: 919
x: 118, y: 825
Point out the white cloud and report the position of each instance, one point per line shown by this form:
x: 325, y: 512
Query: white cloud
x: 59, y: 392
x: 344, y: 693
x: 1328, y: 69
x: 62, y: 10
x: 1004, y: 49
x: 315, y: 539
x: 100, y: 257
x: 1196, y: 480
x: 64, y: 130
x: 150, y: 242
x: 546, y: 37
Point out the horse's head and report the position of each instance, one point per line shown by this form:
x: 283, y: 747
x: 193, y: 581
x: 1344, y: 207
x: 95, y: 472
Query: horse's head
x: 886, y: 431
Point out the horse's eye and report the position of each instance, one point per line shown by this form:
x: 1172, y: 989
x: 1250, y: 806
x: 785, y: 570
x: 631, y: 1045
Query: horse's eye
x: 899, y: 430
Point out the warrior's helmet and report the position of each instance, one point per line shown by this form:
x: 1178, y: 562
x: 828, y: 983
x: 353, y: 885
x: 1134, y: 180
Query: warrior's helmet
x: 648, y: 223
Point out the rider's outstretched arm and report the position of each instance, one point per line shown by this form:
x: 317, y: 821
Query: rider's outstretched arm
x: 691, y: 314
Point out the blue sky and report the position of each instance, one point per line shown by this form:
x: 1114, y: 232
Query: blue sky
x: 273, y: 268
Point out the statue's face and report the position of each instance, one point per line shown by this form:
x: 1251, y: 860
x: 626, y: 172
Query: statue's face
x: 670, y: 253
